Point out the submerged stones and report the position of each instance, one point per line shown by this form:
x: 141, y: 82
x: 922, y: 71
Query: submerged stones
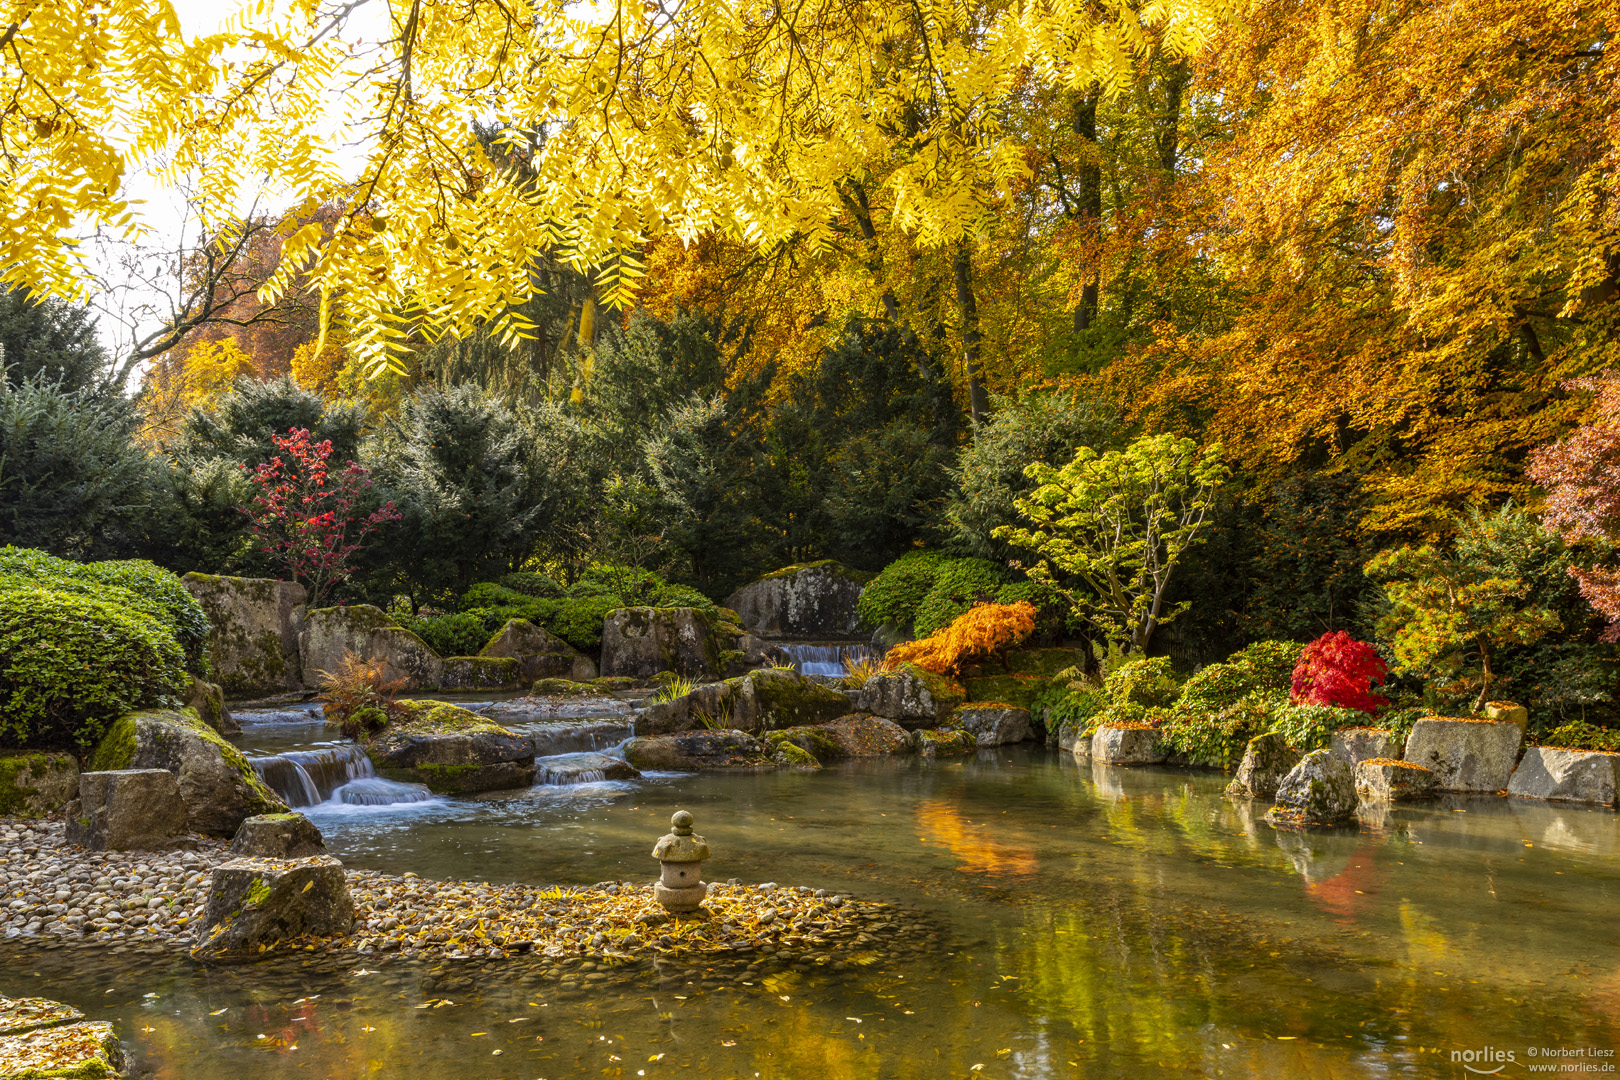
x: 278, y: 836
x: 255, y: 905
x: 1388, y: 780
x: 1589, y: 776
x: 993, y: 725
x: 1266, y: 760
x: 1320, y: 790
x: 583, y: 767
x: 1465, y: 754
x: 127, y: 809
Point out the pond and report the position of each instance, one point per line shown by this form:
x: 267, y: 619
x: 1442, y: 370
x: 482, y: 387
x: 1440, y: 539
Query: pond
x: 1095, y: 922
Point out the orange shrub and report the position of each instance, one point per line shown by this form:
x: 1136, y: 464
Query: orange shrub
x: 985, y: 631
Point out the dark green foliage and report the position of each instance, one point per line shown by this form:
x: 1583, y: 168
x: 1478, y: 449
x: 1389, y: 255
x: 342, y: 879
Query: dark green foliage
x: 71, y: 479
x: 1311, y: 727
x: 488, y: 594
x: 897, y: 591
x: 55, y: 342
x: 134, y: 584
x: 530, y: 583
x: 989, y: 474
x: 578, y: 621
x: 456, y: 633
x: 1579, y: 735
x: 1217, y: 738
x: 197, y: 522
x: 242, y: 424
x: 641, y: 370
x: 1304, y: 570
x: 71, y: 664
x: 1148, y: 681
x: 958, y: 585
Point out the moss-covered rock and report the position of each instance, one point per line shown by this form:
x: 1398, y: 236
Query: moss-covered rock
x: 330, y: 634
x: 539, y: 655
x: 789, y: 754
x: 932, y: 742
x: 1017, y: 690
x: 220, y: 789
x: 759, y: 701
x: 208, y: 700
x: 692, y: 750
x: 451, y: 750
x: 34, y: 785
x: 1266, y: 760
x: 253, y: 641
x: 480, y: 673
x: 853, y: 736
x: 1320, y: 790
x: 911, y: 696
x: 992, y: 723
x: 565, y: 688
x: 641, y: 641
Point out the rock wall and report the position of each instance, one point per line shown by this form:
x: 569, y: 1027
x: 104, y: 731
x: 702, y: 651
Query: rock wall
x: 367, y: 632
x: 814, y: 600
x: 639, y: 642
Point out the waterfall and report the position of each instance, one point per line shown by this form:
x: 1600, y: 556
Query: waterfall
x: 332, y: 774
x: 568, y: 737
x: 828, y: 660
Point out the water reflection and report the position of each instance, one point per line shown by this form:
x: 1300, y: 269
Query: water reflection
x: 1139, y: 925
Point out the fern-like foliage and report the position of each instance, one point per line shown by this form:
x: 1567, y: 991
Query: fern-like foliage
x: 982, y: 632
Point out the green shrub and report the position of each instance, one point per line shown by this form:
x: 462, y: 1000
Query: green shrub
x: 1399, y: 721
x: 672, y: 596
x: 135, y: 583
x: 71, y: 664
x: 1264, y: 667
x: 1579, y: 735
x: 459, y: 633
x: 1077, y: 710
x: 578, y: 620
x: 1216, y: 737
x: 894, y: 595
x: 1311, y: 727
x: 1148, y: 681
x: 958, y: 585
x: 487, y: 594
x: 528, y: 583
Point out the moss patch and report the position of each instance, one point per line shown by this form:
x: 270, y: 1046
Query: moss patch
x: 860, y: 577
x: 439, y: 718
x: 809, y: 740
x: 17, y: 795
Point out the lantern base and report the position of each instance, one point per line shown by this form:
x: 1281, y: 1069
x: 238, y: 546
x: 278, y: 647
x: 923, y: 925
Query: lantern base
x: 680, y: 900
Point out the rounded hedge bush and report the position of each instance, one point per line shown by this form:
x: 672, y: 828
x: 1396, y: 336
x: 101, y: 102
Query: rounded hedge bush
x: 71, y: 664
x: 135, y: 584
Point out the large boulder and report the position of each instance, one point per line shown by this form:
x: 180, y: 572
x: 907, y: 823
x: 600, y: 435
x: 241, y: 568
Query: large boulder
x: 277, y: 836
x: 642, y: 641
x: 1387, y: 780
x: 540, y: 655
x: 37, y: 784
x: 1127, y: 744
x: 480, y: 673
x: 127, y: 810
x: 330, y: 634
x: 1360, y: 744
x: 451, y: 750
x: 1588, y: 776
x: 852, y: 736
x: 910, y: 696
x: 1320, y: 790
x: 691, y: 750
x: 814, y: 600
x: 255, y: 627
x: 218, y: 787
x: 257, y: 905
x: 1465, y: 754
x: 763, y: 700
x: 1266, y: 760
x: 993, y: 725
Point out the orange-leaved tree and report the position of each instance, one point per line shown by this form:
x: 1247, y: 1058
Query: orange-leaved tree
x: 985, y: 631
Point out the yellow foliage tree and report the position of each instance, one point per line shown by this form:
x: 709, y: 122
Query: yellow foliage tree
x: 983, y: 632
x: 180, y: 381
x: 616, y: 123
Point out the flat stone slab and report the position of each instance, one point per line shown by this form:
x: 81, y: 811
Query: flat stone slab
x: 1113, y: 745
x: 582, y: 768
x: 1547, y: 772
x: 1360, y: 744
x: 1465, y: 754
x: 24, y: 1014
x: 84, y: 1051
x: 1388, y: 780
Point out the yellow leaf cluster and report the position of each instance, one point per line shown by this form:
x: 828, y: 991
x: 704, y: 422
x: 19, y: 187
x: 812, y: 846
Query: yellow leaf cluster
x: 984, y: 631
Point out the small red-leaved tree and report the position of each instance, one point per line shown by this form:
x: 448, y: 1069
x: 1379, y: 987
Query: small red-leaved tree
x: 307, y: 517
x: 1582, y: 478
x: 1336, y: 669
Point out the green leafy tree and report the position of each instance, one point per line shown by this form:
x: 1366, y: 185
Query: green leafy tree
x: 1452, y: 612
x: 1119, y: 522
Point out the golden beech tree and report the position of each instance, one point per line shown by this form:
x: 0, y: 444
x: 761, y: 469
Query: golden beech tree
x: 623, y: 122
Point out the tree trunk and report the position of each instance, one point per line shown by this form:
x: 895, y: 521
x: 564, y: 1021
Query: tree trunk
x: 861, y: 210
x: 978, y: 400
x: 1089, y: 207
x: 1168, y: 139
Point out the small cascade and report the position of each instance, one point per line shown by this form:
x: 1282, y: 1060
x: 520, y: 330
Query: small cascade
x: 586, y: 768
x: 332, y: 774
x: 831, y: 661
x: 574, y: 737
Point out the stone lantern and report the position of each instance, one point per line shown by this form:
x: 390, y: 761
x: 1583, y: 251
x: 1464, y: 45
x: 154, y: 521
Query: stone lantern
x: 681, y: 855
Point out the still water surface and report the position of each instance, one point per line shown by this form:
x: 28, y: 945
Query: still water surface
x: 1099, y: 922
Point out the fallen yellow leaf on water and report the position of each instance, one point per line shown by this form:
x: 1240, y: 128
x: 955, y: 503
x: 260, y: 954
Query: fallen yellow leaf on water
x: 656, y: 1057
x: 216, y: 1012
x: 516, y: 1019
x: 728, y: 1042
x: 496, y: 1053
x: 1285, y: 1038
x: 478, y: 1033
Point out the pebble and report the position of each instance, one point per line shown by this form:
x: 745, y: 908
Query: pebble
x: 50, y: 891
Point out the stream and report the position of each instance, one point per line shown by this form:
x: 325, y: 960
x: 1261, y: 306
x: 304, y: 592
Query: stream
x: 1098, y: 922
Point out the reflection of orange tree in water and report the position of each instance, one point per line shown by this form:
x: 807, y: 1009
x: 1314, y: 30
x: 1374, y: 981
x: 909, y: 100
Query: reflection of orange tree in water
x: 975, y: 846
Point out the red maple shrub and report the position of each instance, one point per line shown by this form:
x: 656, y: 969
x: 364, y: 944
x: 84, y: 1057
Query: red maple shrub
x: 1338, y: 670
x: 308, y: 517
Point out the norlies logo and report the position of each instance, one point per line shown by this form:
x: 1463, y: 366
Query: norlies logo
x: 1487, y: 1061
